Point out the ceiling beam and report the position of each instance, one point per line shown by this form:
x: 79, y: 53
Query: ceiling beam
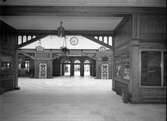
x: 88, y: 11
x: 24, y: 53
x: 68, y: 32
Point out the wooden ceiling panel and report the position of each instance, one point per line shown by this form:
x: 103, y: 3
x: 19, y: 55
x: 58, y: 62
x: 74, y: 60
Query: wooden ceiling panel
x: 138, y: 3
x: 69, y: 23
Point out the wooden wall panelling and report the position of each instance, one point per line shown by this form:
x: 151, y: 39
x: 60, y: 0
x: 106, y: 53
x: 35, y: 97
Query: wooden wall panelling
x: 122, y: 65
x: 135, y: 26
x: 1, y: 89
x: 134, y: 72
x: 152, y: 27
x: 122, y: 57
x: 149, y: 32
x: 123, y: 33
x: 8, y: 74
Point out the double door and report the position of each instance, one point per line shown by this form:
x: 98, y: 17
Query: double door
x: 42, y: 70
x: 104, y: 71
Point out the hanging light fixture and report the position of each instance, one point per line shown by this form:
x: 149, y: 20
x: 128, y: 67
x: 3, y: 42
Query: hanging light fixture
x: 61, y: 30
x: 61, y: 34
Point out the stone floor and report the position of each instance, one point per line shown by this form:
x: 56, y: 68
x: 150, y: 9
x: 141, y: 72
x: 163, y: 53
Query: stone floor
x: 72, y: 99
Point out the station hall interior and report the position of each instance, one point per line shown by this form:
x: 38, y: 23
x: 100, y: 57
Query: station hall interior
x: 85, y: 60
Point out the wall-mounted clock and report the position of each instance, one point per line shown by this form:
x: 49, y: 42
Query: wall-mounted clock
x: 74, y: 41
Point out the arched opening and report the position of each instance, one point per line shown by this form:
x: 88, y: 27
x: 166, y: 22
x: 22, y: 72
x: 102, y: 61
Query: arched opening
x: 25, y: 66
x: 24, y: 38
x: 87, y: 68
x: 19, y: 39
x: 29, y: 37
x: 77, y: 67
x: 67, y: 68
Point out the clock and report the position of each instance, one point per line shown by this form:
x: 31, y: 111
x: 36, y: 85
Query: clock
x: 74, y: 41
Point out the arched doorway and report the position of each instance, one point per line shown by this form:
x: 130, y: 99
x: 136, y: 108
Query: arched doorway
x: 25, y: 66
x: 67, y: 68
x: 77, y: 67
x: 87, y: 68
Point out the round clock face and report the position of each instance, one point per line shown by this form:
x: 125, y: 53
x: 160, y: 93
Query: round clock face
x: 74, y: 41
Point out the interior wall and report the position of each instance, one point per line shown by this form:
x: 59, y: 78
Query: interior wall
x: 104, y: 57
x: 49, y: 68
x: 122, y: 37
x: 149, y: 34
x: 139, y: 32
x: 59, y: 61
x: 8, y: 74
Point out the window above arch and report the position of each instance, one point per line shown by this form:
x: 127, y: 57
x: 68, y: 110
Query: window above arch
x: 86, y: 61
x: 77, y: 61
x: 67, y: 61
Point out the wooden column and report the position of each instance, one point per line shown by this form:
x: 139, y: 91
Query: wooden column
x: 62, y: 71
x: 91, y: 69
x: 82, y: 69
x: 72, y: 69
x: 50, y: 65
x: 94, y: 68
x: 113, y: 63
x: 15, y: 84
x: 134, y: 72
x: 108, y: 40
x: 36, y: 73
x: 21, y: 39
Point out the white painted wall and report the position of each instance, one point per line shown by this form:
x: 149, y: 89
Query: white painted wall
x: 54, y: 42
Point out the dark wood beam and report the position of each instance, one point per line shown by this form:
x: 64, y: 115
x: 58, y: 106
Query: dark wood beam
x: 71, y: 32
x: 31, y: 41
x: 124, y: 20
x: 76, y: 10
x: 99, y: 42
x: 24, y: 53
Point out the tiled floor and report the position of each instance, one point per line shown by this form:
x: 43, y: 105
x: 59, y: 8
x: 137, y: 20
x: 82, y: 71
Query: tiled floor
x: 72, y: 99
